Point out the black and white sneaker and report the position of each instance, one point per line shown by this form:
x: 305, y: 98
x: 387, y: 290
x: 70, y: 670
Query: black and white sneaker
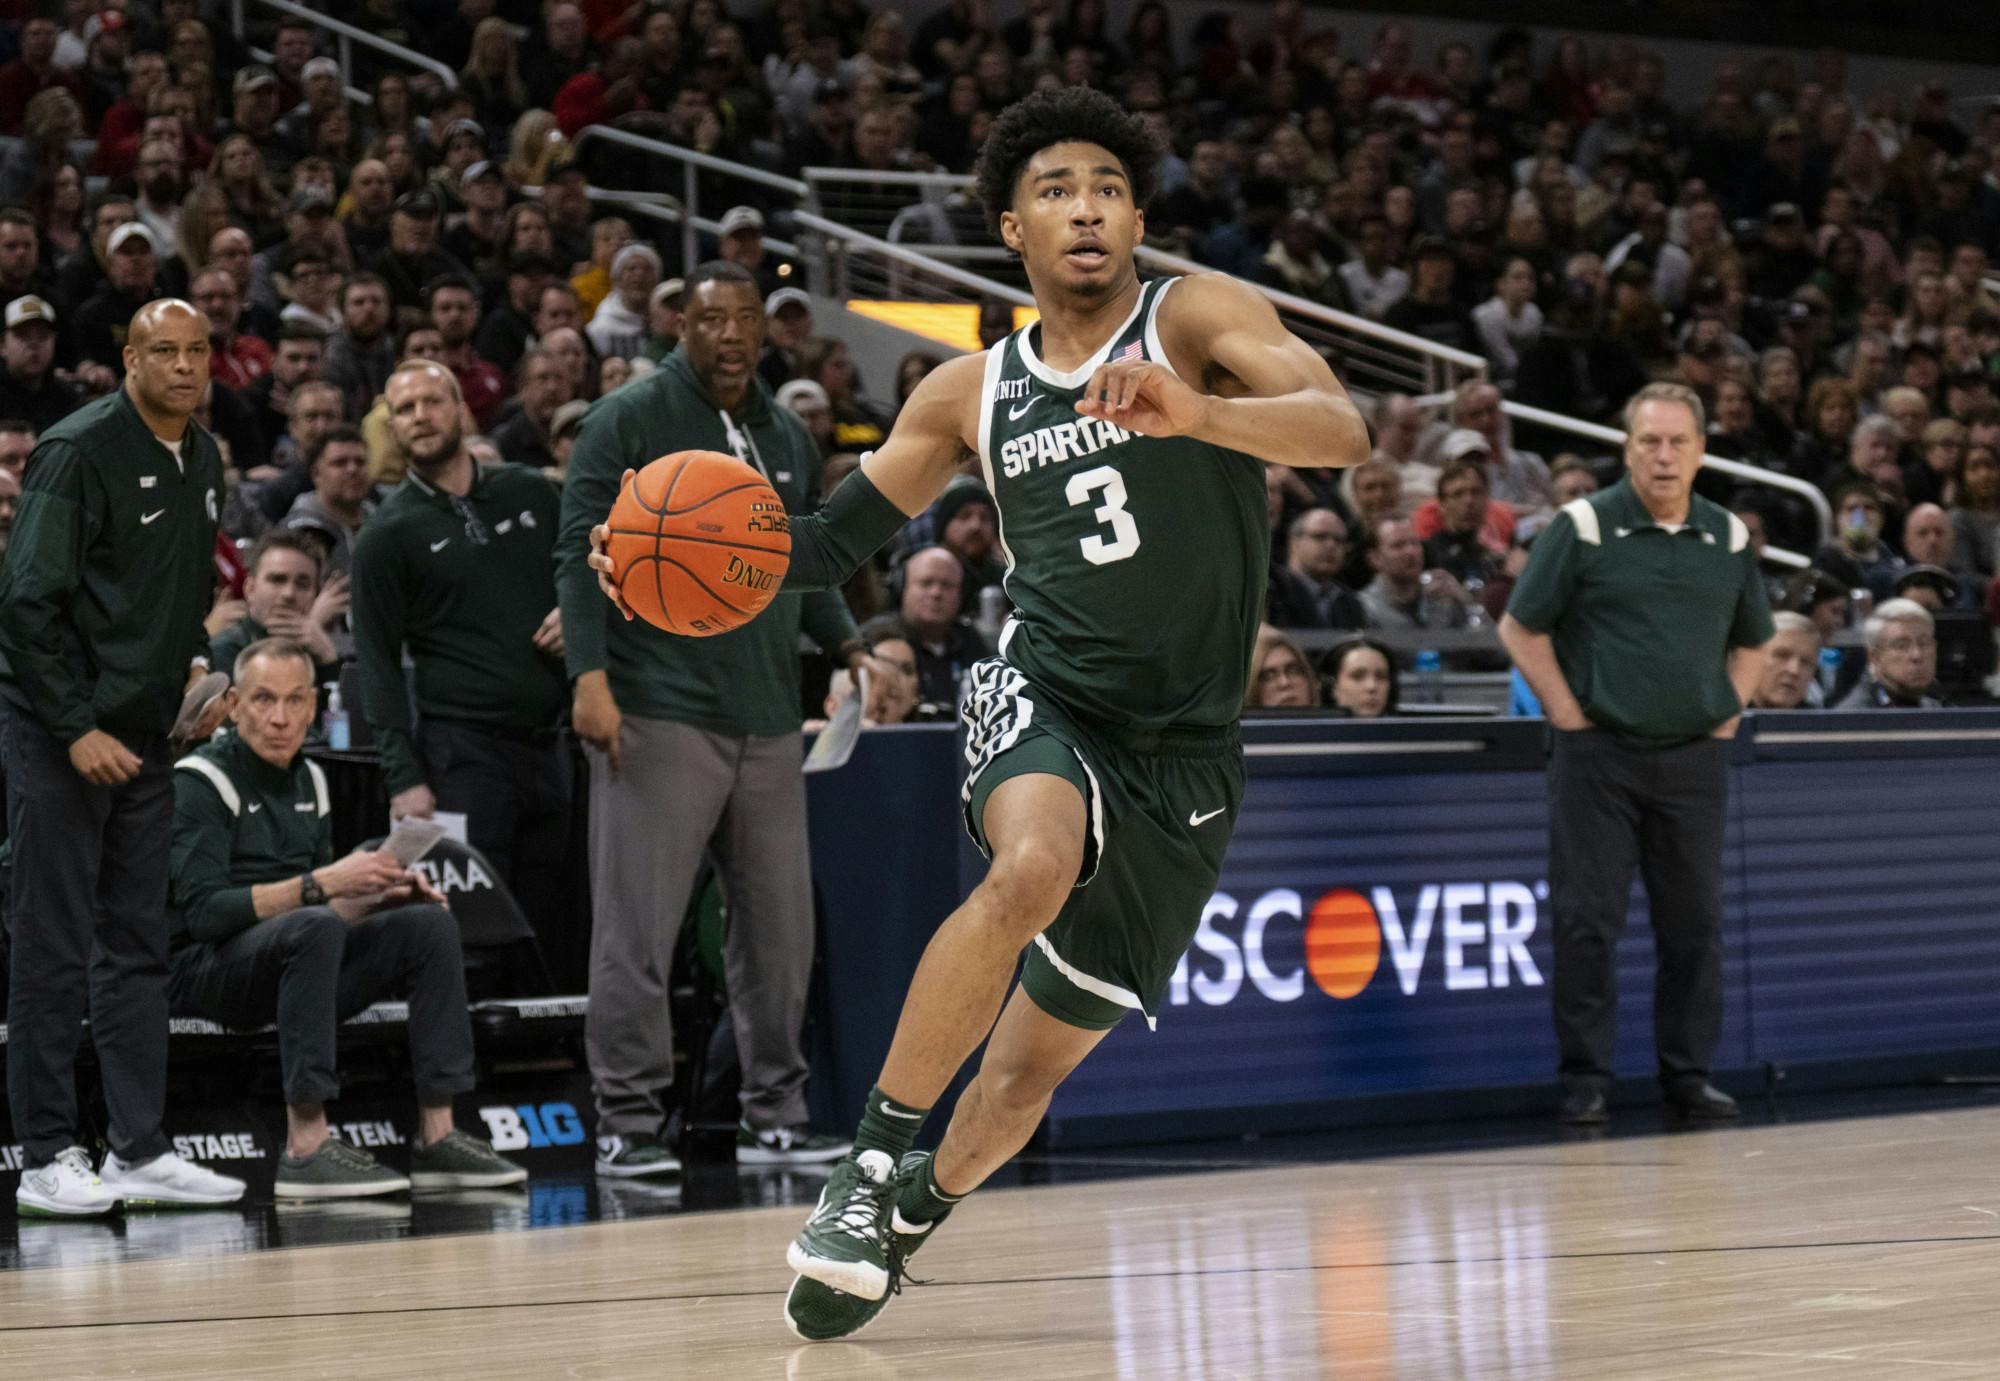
x: 799, y: 1145
x: 628, y: 1157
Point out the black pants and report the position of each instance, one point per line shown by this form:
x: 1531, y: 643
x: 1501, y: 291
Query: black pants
x: 88, y: 924
x: 308, y: 971
x: 515, y: 796
x: 1612, y: 809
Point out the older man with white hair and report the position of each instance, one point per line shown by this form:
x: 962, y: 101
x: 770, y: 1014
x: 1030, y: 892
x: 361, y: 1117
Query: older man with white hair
x: 1902, y: 661
x: 620, y: 326
x: 1791, y: 663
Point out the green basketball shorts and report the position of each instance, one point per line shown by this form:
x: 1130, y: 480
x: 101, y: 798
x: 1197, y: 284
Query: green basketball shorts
x: 1160, y: 808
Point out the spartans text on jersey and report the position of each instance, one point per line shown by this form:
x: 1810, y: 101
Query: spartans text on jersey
x: 1053, y: 445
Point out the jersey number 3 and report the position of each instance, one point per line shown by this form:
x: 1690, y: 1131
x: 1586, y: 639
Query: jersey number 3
x: 1124, y: 539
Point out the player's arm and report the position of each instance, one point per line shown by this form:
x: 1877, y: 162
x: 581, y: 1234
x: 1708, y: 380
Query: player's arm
x: 1239, y: 379
x: 897, y: 481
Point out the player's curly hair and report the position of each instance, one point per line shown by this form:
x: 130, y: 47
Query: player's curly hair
x: 1063, y: 115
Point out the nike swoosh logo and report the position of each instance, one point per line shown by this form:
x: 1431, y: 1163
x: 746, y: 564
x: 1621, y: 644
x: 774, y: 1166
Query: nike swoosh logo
x: 150, y: 516
x: 256, y: 806
x: 1014, y: 414
x: 902, y: 1116
x: 440, y: 544
x: 1194, y: 819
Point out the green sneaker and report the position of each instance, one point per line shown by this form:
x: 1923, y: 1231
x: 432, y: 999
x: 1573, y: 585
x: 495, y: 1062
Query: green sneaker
x: 336, y: 1171
x: 819, y: 1313
x: 629, y: 1157
x: 841, y: 1244
x: 459, y: 1160
x: 799, y: 1145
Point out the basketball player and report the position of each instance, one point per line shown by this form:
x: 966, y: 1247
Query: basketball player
x: 1124, y: 438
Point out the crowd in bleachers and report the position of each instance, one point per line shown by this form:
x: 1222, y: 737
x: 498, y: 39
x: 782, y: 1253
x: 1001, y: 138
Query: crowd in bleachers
x: 1809, y: 256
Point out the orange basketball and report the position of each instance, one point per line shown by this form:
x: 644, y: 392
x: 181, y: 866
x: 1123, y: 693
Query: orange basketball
x: 699, y: 543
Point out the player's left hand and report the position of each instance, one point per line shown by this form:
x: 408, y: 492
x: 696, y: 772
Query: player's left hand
x: 1143, y: 397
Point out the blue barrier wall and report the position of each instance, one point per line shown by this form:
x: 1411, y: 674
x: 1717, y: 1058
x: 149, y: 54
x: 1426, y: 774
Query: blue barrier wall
x: 1381, y: 925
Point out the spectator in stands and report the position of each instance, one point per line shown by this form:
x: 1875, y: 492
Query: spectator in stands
x: 789, y: 311
x: 1791, y: 666
x: 1186, y: 215
x: 99, y: 642
x: 1936, y: 589
x: 1238, y: 245
x: 360, y: 355
x: 1430, y: 309
x: 1294, y: 263
x: 31, y: 73
x: 454, y: 309
x: 455, y: 570
x: 268, y: 927
x: 1975, y: 517
x: 930, y: 618
x: 664, y: 320
x: 158, y: 178
x: 1509, y: 322
x: 1902, y: 661
x: 237, y: 359
x: 1462, y: 445
x: 1928, y: 541
x: 1462, y: 547
x: 543, y: 387
x: 30, y: 388
x: 808, y: 401
x: 1519, y: 478
x: 1280, y: 675
x: 892, y: 690
x: 284, y: 597
x: 1858, y: 554
x: 741, y: 239
x: 1640, y: 762
x: 315, y: 409
x: 1362, y: 674
x: 966, y: 522
x: 620, y: 326
x: 509, y: 327
x: 1831, y: 410
x: 132, y: 273
x: 565, y: 345
x: 1403, y: 595
x: 413, y: 258
x: 1373, y: 282
x: 339, y: 502
x: 858, y: 424
x: 563, y: 52
x: 1305, y: 589
x: 684, y: 733
x: 365, y: 209
x: 1671, y: 270
x: 477, y: 235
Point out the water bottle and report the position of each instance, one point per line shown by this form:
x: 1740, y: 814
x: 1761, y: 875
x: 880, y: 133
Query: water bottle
x: 992, y: 614
x: 1430, y: 676
x: 1860, y: 605
x: 1829, y: 668
x: 1475, y: 604
x: 337, y: 736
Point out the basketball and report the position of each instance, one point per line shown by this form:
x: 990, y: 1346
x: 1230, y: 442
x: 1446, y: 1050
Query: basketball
x: 699, y: 543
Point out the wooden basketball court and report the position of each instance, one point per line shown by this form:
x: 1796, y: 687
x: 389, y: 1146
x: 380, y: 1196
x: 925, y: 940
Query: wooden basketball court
x: 1864, y: 1248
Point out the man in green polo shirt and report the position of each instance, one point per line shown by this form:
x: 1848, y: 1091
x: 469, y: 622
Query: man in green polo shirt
x: 1640, y: 623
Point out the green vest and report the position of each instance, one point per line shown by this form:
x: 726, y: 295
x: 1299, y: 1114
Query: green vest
x: 1135, y: 565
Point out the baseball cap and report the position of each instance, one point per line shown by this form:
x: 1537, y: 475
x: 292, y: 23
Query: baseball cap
x: 474, y: 171
x: 1461, y: 442
x: 807, y: 389
x: 128, y: 232
x: 741, y: 218
x: 1937, y: 577
x: 250, y: 78
x: 671, y: 287
x: 628, y: 253
x: 30, y: 308
x: 567, y: 417
x: 308, y: 199
x: 787, y: 297
x: 320, y: 67
x: 422, y: 203
x: 462, y: 128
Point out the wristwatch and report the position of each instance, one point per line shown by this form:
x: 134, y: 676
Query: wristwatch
x: 310, y: 892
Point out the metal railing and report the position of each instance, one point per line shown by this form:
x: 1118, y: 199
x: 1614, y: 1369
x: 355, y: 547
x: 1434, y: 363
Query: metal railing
x: 348, y: 35
x: 693, y: 164
x: 1372, y: 358
x: 848, y: 268
x: 1736, y: 469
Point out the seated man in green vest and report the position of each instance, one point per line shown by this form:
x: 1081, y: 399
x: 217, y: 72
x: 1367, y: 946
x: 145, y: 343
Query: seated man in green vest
x: 285, y: 598
x: 266, y: 927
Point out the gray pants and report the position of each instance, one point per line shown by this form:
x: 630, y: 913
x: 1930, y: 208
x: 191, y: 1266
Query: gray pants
x: 681, y: 791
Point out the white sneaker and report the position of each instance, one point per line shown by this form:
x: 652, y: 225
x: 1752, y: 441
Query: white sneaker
x: 167, y: 1179
x: 66, y: 1188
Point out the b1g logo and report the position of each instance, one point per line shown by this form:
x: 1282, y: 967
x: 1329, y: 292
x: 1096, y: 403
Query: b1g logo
x: 532, y: 1126
x: 1483, y: 929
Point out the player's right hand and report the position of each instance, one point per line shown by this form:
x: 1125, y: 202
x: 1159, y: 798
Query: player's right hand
x: 600, y: 559
x: 102, y: 760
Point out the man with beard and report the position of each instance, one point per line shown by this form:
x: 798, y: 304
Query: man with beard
x: 131, y: 273
x: 456, y: 569
x: 370, y: 192
x: 158, y: 177
x: 524, y: 438
x: 29, y: 388
x: 454, y: 304
x: 508, y: 329
x: 237, y: 360
x: 413, y: 257
x: 362, y: 352
x: 298, y: 359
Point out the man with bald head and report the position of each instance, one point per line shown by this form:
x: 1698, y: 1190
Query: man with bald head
x: 928, y: 618
x: 106, y: 582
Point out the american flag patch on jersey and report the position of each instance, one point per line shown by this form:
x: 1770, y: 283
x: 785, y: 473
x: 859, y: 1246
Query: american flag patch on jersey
x: 1130, y: 352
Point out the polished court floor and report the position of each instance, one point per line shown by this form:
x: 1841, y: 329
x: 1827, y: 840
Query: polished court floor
x: 1864, y: 1245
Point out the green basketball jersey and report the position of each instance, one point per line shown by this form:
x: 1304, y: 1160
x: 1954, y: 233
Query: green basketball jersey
x: 1136, y: 565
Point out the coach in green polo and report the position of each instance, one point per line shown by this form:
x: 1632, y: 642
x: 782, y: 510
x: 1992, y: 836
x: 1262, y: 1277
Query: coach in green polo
x: 1640, y: 622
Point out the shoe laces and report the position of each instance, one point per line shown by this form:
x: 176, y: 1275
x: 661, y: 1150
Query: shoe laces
x: 77, y: 1162
x: 349, y: 1157
x: 860, y: 1211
